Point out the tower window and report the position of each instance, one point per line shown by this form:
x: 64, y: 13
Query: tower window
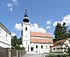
x: 36, y: 46
x: 42, y: 47
x: 26, y: 28
x: 26, y: 36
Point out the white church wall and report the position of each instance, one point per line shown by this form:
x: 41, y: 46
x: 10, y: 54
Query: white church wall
x: 26, y: 33
x: 42, y: 48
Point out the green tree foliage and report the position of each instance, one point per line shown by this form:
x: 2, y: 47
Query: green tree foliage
x: 14, y: 41
x: 18, y: 47
x: 60, y: 31
x: 19, y: 41
x: 54, y: 40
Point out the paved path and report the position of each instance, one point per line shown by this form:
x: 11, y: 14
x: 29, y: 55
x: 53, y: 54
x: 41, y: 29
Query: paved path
x: 33, y: 55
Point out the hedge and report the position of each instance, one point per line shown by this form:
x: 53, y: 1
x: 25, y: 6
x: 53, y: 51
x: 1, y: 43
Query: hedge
x: 59, y: 55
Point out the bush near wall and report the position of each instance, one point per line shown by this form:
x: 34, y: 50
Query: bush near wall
x: 17, y: 47
x: 50, y: 55
x: 59, y: 55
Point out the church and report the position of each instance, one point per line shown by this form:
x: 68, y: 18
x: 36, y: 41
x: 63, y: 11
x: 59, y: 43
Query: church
x: 35, y: 42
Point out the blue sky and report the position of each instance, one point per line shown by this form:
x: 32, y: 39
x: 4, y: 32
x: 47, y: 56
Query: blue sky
x: 43, y: 14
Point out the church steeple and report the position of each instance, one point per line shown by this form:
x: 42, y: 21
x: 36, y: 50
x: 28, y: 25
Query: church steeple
x: 26, y: 32
x: 25, y: 13
x: 25, y: 17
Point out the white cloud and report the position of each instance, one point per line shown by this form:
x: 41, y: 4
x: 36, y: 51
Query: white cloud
x: 65, y: 19
x: 10, y: 6
x: 48, y: 22
x: 18, y: 26
x: 35, y: 28
x: 15, y: 2
x: 47, y: 27
x: 13, y: 34
x: 55, y: 23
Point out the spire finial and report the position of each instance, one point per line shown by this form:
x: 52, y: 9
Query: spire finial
x: 25, y: 16
x: 25, y: 13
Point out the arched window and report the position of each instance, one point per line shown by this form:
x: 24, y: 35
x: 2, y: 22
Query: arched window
x: 36, y: 46
x: 32, y: 48
x: 41, y: 46
x: 26, y: 28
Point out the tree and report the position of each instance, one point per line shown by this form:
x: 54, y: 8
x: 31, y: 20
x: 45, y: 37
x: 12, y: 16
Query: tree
x: 60, y: 31
x: 19, y: 41
x: 54, y: 40
x: 14, y: 41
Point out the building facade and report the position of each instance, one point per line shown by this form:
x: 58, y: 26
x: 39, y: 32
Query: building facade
x: 5, y: 37
x: 61, y: 46
x: 35, y: 42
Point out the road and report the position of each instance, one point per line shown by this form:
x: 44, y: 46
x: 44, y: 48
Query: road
x: 33, y: 55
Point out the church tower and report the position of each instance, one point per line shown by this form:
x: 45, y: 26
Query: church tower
x: 26, y: 31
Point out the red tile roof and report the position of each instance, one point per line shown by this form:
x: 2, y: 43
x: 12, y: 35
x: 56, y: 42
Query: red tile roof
x: 39, y: 34
x: 60, y: 42
x: 37, y: 40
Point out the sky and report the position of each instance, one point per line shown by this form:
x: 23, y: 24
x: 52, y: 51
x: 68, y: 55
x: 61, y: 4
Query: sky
x: 43, y: 14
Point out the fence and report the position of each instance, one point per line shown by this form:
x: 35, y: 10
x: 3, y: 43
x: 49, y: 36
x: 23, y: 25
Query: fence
x: 17, y: 53
x: 5, y: 52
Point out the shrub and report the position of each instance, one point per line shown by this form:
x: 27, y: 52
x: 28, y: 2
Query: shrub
x: 61, y: 55
x: 53, y: 55
x: 50, y: 55
x: 17, y: 47
x: 22, y: 48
